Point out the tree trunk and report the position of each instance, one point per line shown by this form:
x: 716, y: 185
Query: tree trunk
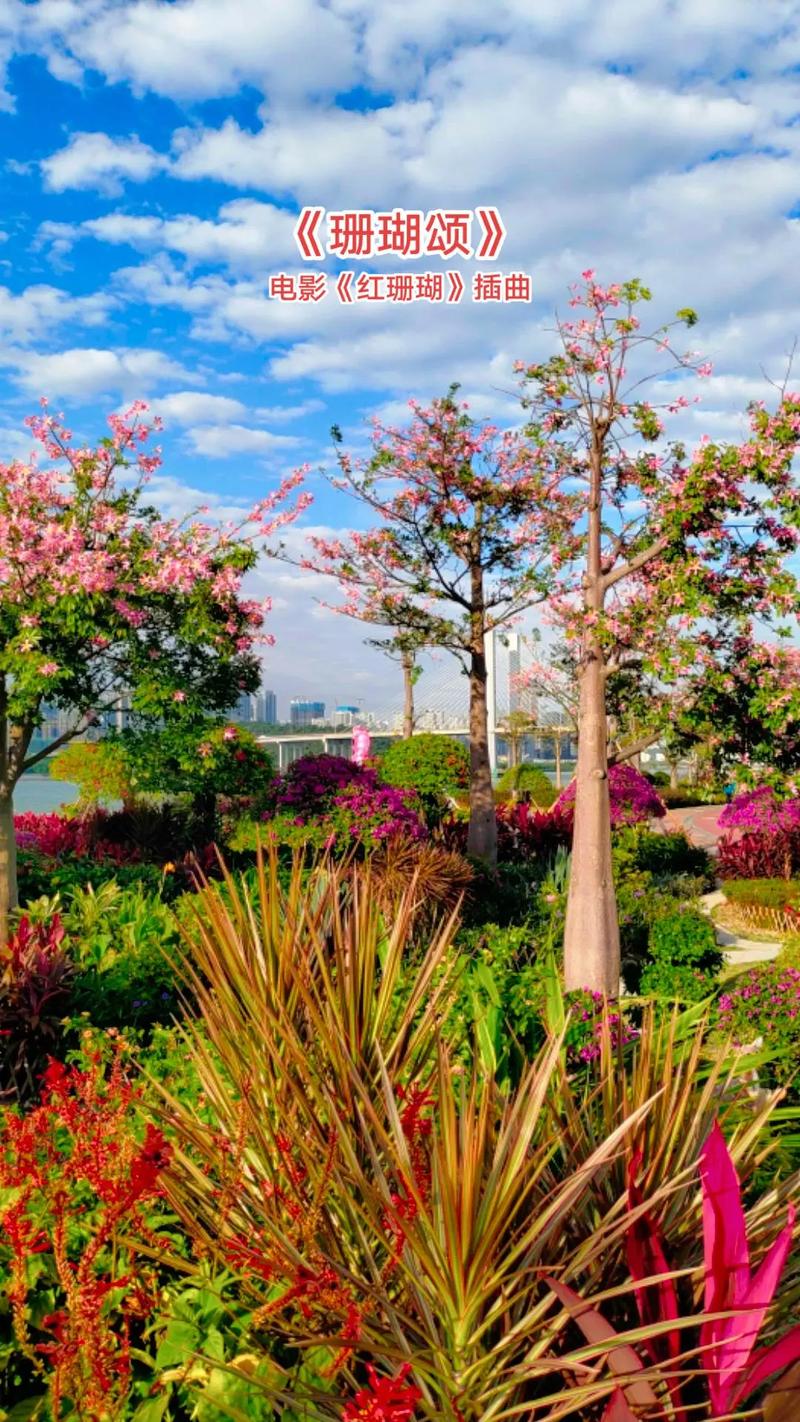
x: 8, y: 860
x: 557, y: 749
x: 591, y: 934
x: 409, y: 716
x: 674, y: 783
x: 482, y: 835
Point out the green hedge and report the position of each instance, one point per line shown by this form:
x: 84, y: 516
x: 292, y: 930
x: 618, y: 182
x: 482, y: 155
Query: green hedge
x: 528, y: 779
x: 766, y: 893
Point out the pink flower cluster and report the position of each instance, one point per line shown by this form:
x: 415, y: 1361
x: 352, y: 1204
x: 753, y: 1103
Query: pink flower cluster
x: 633, y: 799
x: 761, y: 809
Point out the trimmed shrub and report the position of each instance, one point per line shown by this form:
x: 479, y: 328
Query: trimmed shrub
x: 528, y: 780
x: 767, y: 893
x: 665, y: 856
x: 684, y: 957
x: 434, y: 766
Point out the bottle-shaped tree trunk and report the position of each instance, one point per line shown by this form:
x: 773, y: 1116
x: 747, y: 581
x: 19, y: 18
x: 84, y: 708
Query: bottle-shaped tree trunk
x: 482, y: 835
x: 8, y: 861
x: 409, y: 714
x: 591, y: 933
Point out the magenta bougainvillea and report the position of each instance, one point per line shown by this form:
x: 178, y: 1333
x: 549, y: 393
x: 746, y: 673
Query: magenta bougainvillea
x: 761, y: 809
x: 633, y: 799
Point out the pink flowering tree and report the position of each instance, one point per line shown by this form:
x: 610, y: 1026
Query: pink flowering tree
x: 101, y: 597
x: 448, y: 557
x: 644, y: 545
x: 743, y: 711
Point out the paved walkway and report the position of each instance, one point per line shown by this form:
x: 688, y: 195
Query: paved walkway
x: 700, y: 823
x: 738, y: 951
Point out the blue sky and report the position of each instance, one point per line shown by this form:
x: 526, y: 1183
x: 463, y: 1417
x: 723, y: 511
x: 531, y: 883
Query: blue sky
x: 155, y: 156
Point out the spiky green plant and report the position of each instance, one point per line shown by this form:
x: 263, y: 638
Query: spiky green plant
x: 381, y: 1204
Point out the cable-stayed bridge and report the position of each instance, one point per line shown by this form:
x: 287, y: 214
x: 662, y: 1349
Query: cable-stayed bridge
x: 442, y: 706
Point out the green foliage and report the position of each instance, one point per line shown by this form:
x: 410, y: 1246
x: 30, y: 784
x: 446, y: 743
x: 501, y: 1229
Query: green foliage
x: 197, y: 756
x: 789, y: 955
x: 434, y: 766
x: 767, y: 893
x: 665, y: 856
x: 685, y: 957
x: 497, y: 1011
x: 39, y: 876
x: 531, y: 780
x: 98, y: 768
x: 121, y: 942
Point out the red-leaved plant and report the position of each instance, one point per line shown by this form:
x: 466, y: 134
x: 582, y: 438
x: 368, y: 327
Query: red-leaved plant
x: 74, y: 1178
x: 35, y: 974
x: 736, y: 1302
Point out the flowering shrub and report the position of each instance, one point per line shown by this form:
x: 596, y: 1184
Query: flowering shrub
x: 634, y: 800
x: 592, y: 1016
x: 760, y: 854
x: 523, y: 833
x: 75, y: 1183
x: 35, y: 978
x: 760, y: 809
x: 363, y: 814
x: 312, y: 782
x: 373, y: 814
x: 765, y: 1003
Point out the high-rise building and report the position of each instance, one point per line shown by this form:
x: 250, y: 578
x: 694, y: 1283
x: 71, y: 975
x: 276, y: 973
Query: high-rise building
x: 256, y: 706
x: 266, y: 707
x: 243, y: 710
x: 346, y: 716
x: 305, y: 713
x: 520, y: 698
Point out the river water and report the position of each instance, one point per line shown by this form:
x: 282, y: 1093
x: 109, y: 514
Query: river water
x: 40, y: 793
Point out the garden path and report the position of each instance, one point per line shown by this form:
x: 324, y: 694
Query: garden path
x: 700, y: 823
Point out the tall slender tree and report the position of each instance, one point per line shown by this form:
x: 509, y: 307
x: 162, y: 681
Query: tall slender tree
x: 643, y: 546
x: 448, y: 558
x: 100, y: 597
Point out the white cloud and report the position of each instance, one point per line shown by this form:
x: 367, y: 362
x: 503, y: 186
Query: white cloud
x: 285, y: 414
x: 221, y: 441
x: 35, y: 311
x: 86, y: 372
x: 199, y: 48
x: 246, y: 235
x: 188, y: 407
x: 95, y: 160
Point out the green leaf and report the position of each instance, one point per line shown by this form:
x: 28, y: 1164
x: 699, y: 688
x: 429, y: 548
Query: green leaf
x: 153, y: 1408
x: 180, y: 1342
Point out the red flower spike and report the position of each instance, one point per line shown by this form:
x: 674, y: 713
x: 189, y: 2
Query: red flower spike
x: 384, y: 1400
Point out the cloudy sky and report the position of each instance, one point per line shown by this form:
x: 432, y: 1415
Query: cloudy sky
x: 155, y: 157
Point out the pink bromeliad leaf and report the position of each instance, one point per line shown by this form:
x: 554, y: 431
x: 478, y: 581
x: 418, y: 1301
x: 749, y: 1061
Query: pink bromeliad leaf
x: 618, y: 1409
x: 733, y: 1371
x: 647, y: 1260
x: 767, y: 1361
x: 658, y: 1302
x: 727, y: 1258
x: 622, y: 1359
